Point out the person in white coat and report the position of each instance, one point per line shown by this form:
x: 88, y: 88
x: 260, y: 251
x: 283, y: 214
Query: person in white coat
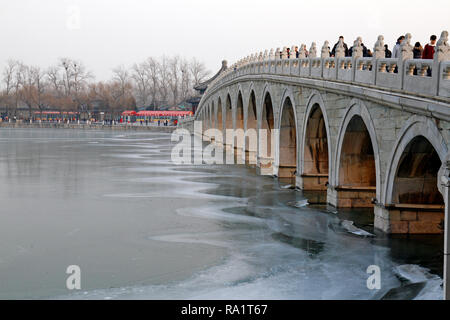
x: 397, y: 48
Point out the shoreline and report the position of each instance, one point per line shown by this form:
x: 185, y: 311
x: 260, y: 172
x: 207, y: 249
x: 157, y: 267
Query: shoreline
x: 22, y: 125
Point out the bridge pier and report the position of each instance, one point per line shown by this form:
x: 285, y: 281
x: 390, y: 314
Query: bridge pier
x: 313, y: 181
x: 238, y: 155
x: 250, y: 157
x: 351, y: 197
x: 446, y: 188
x: 409, y: 219
x: 265, y: 166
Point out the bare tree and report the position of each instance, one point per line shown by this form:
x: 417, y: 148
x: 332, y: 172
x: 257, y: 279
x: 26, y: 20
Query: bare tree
x: 122, y: 77
x: 9, y: 76
x: 74, y: 80
x: 18, y: 81
x: 54, y: 78
x: 32, y: 87
x: 121, y: 90
x: 140, y: 76
x: 40, y: 82
x: 198, y: 71
x: 164, y: 76
x: 28, y: 89
x: 186, y: 80
x: 167, y: 81
x: 68, y: 85
x: 174, y: 78
x: 153, y: 68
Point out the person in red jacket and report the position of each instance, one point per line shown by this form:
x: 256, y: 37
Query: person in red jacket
x: 428, y: 51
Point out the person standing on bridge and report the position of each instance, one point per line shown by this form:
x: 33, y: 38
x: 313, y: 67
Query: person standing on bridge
x: 428, y: 51
x: 387, y: 51
x: 397, y: 48
x: 418, y: 51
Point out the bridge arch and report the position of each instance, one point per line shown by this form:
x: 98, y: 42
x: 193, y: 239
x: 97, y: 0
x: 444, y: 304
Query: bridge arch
x: 239, y: 111
x: 236, y: 139
x: 213, y: 115
x: 265, y: 132
x: 267, y: 91
x: 286, y: 157
x: 202, y: 119
x: 220, y: 118
x: 315, y: 150
x: 251, y: 127
x: 205, y: 118
x: 229, y: 112
x: 356, y: 161
x: 251, y: 111
x: 209, y: 115
x: 419, y: 132
x: 412, y: 201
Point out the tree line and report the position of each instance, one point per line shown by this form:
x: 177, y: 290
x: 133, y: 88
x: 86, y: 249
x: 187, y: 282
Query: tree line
x: 70, y: 86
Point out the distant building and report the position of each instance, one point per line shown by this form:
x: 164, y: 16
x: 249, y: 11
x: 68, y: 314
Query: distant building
x: 99, y: 105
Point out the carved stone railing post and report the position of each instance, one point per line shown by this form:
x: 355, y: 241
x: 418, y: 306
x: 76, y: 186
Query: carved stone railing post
x: 292, y: 53
x: 406, y: 53
x: 266, y: 55
x: 340, y: 49
x: 379, y: 52
x: 278, y: 54
x: 442, y: 50
x: 357, y: 53
x: 302, y: 52
x: 312, y: 51
x: 284, y: 54
x: 271, y: 54
x: 442, y: 53
x: 325, y: 53
x: 272, y: 62
x: 278, y: 64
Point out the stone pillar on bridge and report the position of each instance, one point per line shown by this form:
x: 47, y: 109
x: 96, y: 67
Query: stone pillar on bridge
x: 302, y: 52
x: 313, y: 51
x: 445, y: 180
x: 379, y: 52
x: 406, y: 53
x: 340, y: 50
x: 325, y: 50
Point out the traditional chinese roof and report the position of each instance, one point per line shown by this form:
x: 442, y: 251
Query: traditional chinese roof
x: 164, y: 113
x: 204, y: 85
x: 129, y: 113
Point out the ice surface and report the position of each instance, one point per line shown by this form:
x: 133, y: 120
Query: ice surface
x: 275, y: 245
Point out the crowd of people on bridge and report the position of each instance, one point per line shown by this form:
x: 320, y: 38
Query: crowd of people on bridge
x: 419, y: 52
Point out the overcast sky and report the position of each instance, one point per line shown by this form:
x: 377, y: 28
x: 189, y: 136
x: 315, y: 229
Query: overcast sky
x: 107, y: 33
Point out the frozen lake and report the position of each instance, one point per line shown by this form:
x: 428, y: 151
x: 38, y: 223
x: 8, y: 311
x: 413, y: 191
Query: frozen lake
x: 140, y: 227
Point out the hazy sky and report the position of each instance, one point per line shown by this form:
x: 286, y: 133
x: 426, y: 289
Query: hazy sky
x: 107, y: 33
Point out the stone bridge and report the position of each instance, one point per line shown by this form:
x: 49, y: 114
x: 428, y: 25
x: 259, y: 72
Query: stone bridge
x: 355, y: 132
